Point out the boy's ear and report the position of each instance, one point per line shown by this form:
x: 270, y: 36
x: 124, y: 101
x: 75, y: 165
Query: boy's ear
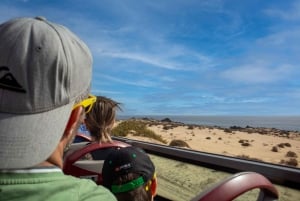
x: 73, y: 120
x: 154, y: 186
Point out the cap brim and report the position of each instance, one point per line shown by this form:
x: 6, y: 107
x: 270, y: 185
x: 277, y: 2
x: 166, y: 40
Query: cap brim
x: 31, y: 139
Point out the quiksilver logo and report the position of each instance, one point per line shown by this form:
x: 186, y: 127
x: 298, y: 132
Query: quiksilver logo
x: 8, y: 81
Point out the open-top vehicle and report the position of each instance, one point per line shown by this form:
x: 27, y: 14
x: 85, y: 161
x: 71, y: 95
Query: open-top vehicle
x: 230, y: 177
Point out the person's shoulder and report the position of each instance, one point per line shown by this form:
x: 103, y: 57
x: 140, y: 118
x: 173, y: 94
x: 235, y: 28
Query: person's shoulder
x: 89, y: 191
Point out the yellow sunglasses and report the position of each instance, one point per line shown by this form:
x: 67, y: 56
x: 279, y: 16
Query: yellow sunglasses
x: 87, y: 103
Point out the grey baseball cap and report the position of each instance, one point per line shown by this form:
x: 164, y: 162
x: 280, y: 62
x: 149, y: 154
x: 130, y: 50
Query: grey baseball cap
x: 44, y: 68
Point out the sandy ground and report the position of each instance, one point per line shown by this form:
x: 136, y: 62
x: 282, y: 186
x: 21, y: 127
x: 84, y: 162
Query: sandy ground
x: 181, y: 181
x: 216, y: 140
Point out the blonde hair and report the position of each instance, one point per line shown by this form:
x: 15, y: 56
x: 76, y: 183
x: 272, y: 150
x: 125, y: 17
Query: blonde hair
x: 100, y: 119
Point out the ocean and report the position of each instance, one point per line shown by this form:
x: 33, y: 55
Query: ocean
x: 291, y: 123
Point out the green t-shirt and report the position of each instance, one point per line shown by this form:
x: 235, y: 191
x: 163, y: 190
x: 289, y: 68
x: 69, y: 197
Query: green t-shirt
x: 49, y: 184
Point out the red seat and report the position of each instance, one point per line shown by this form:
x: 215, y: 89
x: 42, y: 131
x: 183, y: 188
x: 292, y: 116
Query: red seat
x: 238, y: 184
x: 73, y: 165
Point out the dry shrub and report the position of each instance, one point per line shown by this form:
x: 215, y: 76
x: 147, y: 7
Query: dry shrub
x: 282, y: 145
x: 174, y: 126
x: 179, y: 143
x: 291, y: 154
x: 208, y: 138
x: 291, y: 162
x: 243, y: 141
x: 167, y: 127
x: 137, y: 128
x: 274, y: 149
x: 246, y: 144
x: 227, y: 130
x: 190, y: 127
x: 250, y: 131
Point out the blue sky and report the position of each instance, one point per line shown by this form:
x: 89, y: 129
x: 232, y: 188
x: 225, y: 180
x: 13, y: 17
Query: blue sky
x: 185, y: 57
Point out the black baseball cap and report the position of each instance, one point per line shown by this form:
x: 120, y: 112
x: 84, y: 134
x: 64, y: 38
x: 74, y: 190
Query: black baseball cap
x: 123, y: 161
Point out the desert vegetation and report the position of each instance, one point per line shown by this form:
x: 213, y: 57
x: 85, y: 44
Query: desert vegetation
x: 245, y: 143
x: 290, y: 162
x: 179, y: 143
x: 136, y: 128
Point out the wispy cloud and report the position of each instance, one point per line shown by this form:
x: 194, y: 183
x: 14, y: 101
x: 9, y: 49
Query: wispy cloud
x: 140, y: 83
x: 281, y: 38
x: 144, y: 59
x: 290, y: 13
x: 164, y: 60
x: 257, y: 73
